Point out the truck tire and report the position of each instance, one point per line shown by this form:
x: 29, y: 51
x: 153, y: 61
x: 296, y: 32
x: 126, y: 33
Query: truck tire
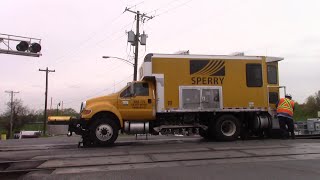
x: 227, y: 128
x: 104, y: 131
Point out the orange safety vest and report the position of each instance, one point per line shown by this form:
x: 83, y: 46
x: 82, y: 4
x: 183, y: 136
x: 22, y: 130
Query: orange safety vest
x: 285, y: 106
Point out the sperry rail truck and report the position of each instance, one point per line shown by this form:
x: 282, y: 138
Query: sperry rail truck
x: 223, y: 97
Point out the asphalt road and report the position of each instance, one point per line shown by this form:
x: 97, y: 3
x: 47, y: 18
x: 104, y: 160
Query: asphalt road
x: 162, y: 157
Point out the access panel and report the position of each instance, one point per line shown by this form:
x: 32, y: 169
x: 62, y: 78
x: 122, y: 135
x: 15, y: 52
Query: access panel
x: 200, y: 97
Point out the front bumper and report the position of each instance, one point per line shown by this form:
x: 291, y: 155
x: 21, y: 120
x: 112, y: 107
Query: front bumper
x: 75, y: 125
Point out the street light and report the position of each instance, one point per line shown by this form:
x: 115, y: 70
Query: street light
x: 125, y: 60
x: 106, y: 57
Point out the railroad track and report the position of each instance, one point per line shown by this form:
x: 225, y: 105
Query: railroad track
x: 22, y: 167
x: 117, y: 144
x: 308, y: 136
x: 32, y: 165
x: 127, y: 143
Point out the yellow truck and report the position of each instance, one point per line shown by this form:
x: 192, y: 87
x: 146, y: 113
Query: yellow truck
x: 220, y: 96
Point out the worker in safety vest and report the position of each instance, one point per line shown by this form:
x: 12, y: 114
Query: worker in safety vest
x: 285, y: 108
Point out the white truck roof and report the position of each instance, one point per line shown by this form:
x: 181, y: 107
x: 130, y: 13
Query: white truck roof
x: 197, y: 56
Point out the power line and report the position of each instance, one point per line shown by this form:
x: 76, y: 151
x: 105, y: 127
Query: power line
x: 136, y: 5
x: 133, y: 24
x: 161, y: 7
x: 96, y: 44
x: 170, y: 9
x: 96, y: 93
x: 110, y: 88
x: 91, y: 36
x: 130, y: 23
x: 11, y: 106
x: 110, y: 68
x: 113, y: 33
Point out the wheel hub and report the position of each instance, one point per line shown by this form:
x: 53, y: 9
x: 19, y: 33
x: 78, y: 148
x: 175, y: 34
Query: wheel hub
x: 104, y: 132
x: 228, y: 128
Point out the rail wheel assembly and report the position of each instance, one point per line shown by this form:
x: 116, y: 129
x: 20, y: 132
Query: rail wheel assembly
x: 104, y: 131
x: 226, y: 128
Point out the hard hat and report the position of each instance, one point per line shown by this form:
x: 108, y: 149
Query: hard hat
x: 288, y: 96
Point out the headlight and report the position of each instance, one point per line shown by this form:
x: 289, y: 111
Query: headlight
x: 83, y: 106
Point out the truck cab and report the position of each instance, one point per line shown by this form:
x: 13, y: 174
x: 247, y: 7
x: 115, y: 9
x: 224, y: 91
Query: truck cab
x: 101, y: 118
x: 136, y: 102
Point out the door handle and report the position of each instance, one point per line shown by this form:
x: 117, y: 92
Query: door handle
x: 149, y: 101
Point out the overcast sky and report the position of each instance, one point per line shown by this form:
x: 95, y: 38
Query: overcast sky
x: 76, y: 34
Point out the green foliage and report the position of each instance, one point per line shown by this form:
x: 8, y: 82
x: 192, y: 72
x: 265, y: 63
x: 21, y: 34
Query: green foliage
x: 26, y: 119
x: 20, y: 115
x: 64, y: 112
x: 3, y: 131
x: 32, y: 127
x: 299, y: 113
x: 309, y: 109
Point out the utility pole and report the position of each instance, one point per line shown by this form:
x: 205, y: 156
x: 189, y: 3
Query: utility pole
x: 136, y: 38
x: 46, y: 96
x: 51, y: 105
x: 62, y: 108
x: 11, y: 114
x: 136, y: 51
x: 58, y: 108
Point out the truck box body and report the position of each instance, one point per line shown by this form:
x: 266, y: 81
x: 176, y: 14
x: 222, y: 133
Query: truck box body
x: 210, y: 83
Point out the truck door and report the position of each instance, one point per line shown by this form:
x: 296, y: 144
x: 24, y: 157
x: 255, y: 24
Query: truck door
x: 140, y: 105
x: 273, y: 84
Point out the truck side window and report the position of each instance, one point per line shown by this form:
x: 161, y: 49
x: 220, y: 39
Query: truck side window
x: 272, y: 74
x: 273, y: 97
x: 254, y: 75
x: 141, y: 89
x: 125, y: 93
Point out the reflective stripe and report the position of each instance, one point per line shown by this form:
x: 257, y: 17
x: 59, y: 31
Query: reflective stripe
x: 285, y: 106
x: 289, y: 104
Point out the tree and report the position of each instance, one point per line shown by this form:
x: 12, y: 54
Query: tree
x: 64, y: 112
x: 19, y: 114
x: 317, y: 97
x: 23, y: 116
x: 299, y: 113
x: 309, y: 109
x: 70, y: 112
x: 311, y: 106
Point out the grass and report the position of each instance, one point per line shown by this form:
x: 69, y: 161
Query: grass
x: 32, y: 127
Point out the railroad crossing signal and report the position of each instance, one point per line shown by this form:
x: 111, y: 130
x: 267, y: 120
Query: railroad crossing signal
x: 24, y: 46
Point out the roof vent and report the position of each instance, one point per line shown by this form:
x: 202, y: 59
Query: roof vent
x: 183, y: 52
x: 237, y: 54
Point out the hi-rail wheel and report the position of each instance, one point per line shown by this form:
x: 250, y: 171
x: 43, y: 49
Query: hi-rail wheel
x: 204, y: 133
x: 104, y: 130
x: 227, y: 128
